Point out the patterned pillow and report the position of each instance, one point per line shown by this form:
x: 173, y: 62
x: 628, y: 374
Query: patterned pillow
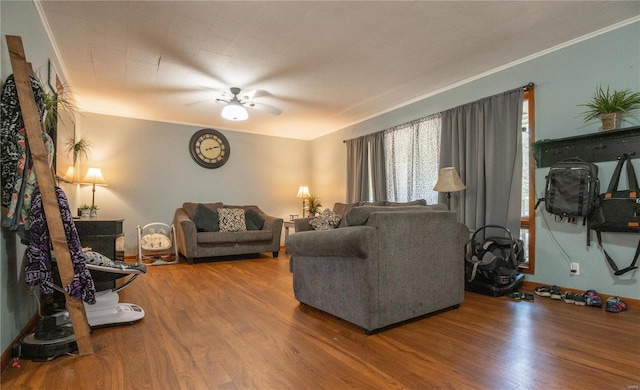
x: 327, y: 220
x: 232, y: 220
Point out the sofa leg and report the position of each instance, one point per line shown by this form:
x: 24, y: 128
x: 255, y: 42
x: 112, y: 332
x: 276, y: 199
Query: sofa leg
x: 190, y: 260
x: 275, y: 254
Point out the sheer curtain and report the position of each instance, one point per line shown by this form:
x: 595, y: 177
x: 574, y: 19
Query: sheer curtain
x: 365, y: 168
x: 412, y: 153
x: 483, y: 141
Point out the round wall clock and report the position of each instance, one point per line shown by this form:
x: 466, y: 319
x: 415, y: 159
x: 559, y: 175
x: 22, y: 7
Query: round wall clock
x: 209, y: 148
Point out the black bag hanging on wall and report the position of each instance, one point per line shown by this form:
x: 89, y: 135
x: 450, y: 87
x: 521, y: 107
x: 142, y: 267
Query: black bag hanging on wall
x: 618, y: 211
x: 572, y: 188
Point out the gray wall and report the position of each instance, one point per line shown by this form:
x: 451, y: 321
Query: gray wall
x: 564, y: 79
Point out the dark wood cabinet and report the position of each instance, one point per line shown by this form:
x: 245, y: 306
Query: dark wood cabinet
x: 101, y: 235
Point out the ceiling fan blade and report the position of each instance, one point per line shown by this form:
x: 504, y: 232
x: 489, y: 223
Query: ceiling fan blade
x: 265, y: 107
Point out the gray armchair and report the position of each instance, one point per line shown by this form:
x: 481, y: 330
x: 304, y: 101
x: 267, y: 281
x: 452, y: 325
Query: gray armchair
x: 386, y: 266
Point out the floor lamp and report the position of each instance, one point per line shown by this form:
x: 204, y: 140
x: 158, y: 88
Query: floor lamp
x: 303, y: 192
x: 449, y: 181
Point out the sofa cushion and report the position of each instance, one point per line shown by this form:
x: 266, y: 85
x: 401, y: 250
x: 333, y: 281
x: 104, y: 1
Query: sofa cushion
x: 253, y: 220
x: 231, y: 220
x: 234, y: 237
x: 206, y: 219
x: 191, y: 208
x: 327, y: 220
x: 358, y: 216
x: 342, y: 208
x: 419, y: 202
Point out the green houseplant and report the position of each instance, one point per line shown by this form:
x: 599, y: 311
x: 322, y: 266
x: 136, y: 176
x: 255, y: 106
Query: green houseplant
x: 611, y: 106
x: 313, y: 205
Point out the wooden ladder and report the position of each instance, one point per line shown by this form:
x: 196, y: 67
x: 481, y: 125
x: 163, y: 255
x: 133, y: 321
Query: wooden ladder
x: 45, y: 178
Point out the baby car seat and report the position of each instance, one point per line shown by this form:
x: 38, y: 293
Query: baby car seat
x: 491, y: 265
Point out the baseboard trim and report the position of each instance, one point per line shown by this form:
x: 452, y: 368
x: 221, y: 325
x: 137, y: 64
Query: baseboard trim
x: 631, y: 303
x: 7, y: 355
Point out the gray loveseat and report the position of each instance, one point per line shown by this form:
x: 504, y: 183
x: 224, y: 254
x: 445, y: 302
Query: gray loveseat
x: 384, y: 265
x: 198, y: 234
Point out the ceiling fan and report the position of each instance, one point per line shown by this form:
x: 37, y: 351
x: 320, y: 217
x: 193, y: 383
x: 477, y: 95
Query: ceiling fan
x: 235, y: 109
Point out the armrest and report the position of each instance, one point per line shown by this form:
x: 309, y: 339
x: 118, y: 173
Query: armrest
x: 186, y: 233
x: 350, y: 241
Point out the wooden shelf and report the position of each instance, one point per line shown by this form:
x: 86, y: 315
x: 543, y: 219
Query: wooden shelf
x: 593, y: 147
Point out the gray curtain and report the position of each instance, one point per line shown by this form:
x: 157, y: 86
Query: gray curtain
x: 366, y: 179
x: 483, y: 141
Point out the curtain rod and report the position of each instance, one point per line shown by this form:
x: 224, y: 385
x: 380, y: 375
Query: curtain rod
x: 525, y: 87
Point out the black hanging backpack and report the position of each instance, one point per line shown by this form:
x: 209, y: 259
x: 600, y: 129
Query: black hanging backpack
x: 572, y: 189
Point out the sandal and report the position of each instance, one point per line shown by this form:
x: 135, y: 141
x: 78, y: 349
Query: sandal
x: 579, y: 299
x: 592, y: 298
x: 543, y: 291
x: 555, y: 292
x: 568, y: 297
x: 615, y: 305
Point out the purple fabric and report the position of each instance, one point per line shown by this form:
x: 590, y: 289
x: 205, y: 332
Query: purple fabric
x: 39, y: 265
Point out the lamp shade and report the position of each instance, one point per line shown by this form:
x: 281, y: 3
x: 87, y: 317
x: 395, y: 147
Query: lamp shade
x: 234, y: 111
x: 303, y: 192
x: 69, y: 175
x: 94, y: 176
x: 449, y: 181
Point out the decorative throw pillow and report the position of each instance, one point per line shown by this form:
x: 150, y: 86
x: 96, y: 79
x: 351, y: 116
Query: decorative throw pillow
x: 253, y: 220
x: 206, y: 220
x: 232, y: 220
x: 327, y: 220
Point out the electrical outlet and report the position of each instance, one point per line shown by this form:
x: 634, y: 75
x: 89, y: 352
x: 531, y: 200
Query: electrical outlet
x: 575, y: 269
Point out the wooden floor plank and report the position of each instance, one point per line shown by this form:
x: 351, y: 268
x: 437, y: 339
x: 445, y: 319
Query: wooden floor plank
x: 236, y: 325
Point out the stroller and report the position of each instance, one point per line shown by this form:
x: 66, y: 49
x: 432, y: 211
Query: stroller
x: 491, y: 266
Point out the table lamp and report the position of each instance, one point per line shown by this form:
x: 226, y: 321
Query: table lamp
x: 94, y: 177
x: 303, y: 192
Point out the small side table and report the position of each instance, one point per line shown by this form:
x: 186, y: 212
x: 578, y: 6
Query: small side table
x: 287, y: 225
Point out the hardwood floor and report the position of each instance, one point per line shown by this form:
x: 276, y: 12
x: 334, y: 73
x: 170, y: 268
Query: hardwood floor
x: 236, y: 325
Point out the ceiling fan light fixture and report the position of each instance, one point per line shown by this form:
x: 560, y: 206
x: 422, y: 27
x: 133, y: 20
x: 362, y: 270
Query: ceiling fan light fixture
x: 234, y: 111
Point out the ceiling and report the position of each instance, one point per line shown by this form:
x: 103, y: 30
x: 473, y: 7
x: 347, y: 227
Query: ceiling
x: 324, y: 64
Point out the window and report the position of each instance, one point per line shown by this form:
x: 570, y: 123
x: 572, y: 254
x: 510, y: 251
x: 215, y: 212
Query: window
x: 412, y: 154
x: 527, y: 220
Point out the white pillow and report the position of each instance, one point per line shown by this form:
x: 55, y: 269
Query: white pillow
x: 232, y: 220
x: 155, y: 241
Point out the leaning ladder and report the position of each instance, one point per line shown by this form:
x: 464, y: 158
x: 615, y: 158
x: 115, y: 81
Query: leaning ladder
x: 46, y: 182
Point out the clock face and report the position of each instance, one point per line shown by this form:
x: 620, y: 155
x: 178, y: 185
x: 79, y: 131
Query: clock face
x: 209, y: 148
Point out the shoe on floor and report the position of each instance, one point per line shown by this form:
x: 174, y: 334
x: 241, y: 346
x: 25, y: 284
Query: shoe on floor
x: 579, y: 299
x: 592, y: 298
x: 555, y: 292
x: 543, y: 291
x: 615, y: 305
x: 568, y: 297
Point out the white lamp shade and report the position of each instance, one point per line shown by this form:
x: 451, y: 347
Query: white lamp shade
x: 94, y: 176
x: 234, y: 111
x: 449, y: 181
x: 69, y: 175
x: 303, y: 192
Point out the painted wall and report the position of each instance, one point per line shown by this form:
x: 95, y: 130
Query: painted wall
x: 150, y: 172
x: 17, y: 304
x: 564, y: 78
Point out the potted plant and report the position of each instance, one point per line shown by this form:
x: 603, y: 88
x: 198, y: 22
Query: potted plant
x: 611, y: 106
x: 84, y: 210
x: 77, y: 149
x: 93, y: 211
x: 313, y: 205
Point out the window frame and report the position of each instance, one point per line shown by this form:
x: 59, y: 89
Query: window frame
x: 528, y: 222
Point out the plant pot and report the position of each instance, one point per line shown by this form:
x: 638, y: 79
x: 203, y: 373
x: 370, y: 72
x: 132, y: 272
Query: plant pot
x: 93, y: 214
x: 84, y: 213
x: 611, y: 120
